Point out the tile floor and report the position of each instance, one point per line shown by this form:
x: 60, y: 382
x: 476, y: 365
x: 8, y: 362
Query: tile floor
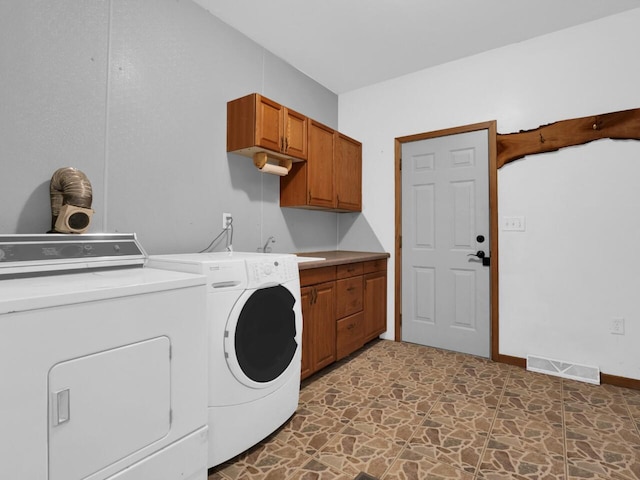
x: 403, y: 411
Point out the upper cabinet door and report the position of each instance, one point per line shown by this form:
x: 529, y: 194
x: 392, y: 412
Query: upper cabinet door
x: 295, y: 134
x: 348, y: 173
x: 320, y: 166
x: 269, y: 125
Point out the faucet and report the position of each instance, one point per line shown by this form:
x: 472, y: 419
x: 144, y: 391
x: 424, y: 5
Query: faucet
x: 271, y: 239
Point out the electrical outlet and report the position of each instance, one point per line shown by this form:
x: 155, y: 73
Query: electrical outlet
x: 617, y: 326
x: 227, y: 219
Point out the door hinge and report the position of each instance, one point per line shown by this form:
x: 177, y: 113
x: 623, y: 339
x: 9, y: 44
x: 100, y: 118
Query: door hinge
x: 400, y: 164
x: 400, y: 241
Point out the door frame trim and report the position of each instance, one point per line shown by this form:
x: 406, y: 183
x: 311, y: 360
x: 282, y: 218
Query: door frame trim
x: 491, y: 128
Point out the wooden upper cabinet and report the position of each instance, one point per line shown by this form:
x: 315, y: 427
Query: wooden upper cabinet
x: 348, y: 173
x: 331, y: 178
x: 327, y: 165
x: 257, y: 124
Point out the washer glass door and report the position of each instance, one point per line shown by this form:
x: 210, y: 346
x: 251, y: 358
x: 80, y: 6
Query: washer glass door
x: 260, y: 342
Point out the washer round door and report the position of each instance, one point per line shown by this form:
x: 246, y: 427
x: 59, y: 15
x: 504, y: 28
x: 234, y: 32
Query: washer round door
x: 261, y: 339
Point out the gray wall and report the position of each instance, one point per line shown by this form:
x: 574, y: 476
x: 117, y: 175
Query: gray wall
x: 133, y: 93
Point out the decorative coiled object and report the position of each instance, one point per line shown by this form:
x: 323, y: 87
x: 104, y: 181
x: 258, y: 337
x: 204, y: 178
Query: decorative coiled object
x: 71, y: 197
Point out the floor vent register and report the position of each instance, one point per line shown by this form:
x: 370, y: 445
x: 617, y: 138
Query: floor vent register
x: 558, y: 368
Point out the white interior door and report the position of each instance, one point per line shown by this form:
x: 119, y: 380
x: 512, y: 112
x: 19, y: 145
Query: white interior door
x: 445, y: 222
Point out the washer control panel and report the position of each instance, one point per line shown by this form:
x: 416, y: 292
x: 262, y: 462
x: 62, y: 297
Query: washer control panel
x: 271, y: 270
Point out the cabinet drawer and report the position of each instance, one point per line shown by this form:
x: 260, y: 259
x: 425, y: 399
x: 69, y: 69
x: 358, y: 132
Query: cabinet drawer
x: 375, y: 265
x: 349, y: 335
x: 312, y: 276
x: 349, y: 270
x: 349, y: 296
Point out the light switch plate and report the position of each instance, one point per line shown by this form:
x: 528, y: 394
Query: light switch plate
x: 513, y: 224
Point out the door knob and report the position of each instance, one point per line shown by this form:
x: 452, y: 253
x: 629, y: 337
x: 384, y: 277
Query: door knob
x: 486, y: 261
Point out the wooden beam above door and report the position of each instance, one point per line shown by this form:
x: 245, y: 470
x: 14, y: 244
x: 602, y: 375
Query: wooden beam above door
x: 623, y: 125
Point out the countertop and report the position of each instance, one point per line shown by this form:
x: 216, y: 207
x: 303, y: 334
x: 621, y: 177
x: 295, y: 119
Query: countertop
x: 338, y: 257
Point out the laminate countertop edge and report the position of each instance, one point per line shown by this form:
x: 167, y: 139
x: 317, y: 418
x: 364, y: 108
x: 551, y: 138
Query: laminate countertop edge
x: 338, y: 257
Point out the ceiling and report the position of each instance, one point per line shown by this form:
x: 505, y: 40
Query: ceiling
x: 348, y: 44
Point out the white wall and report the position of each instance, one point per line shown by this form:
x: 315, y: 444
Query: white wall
x: 133, y: 93
x: 589, y: 69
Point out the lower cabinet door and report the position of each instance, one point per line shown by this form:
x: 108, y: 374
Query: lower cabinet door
x: 349, y: 335
x: 324, y: 326
x: 319, y: 327
x: 375, y: 305
x: 306, y: 294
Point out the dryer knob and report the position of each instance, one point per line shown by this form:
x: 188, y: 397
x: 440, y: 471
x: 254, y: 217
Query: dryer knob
x: 267, y: 269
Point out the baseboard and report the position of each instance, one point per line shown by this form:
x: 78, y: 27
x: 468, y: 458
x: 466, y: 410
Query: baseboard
x: 620, y: 381
x: 515, y: 361
x: 604, y: 377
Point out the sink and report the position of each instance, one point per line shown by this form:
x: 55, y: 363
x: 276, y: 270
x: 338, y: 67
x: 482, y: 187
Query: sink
x: 309, y: 259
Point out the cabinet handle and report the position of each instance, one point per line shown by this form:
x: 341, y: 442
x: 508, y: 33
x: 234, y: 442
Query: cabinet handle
x: 286, y: 144
x: 351, y: 289
x: 351, y: 326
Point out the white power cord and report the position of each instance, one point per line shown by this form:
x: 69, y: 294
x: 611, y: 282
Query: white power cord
x: 228, y: 228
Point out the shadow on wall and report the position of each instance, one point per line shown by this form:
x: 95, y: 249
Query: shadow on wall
x: 355, y: 233
x: 244, y: 177
x: 311, y: 230
x: 35, y: 216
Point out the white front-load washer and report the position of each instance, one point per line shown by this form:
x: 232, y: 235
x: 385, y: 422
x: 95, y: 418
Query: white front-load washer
x: 254, y: 340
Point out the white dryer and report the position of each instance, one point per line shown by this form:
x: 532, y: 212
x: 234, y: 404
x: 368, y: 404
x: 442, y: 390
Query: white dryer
x: 255, y: 339
x: 102, y: 362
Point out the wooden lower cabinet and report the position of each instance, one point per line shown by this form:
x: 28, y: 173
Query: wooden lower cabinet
x: 343, y: 308
x: 319, y: 327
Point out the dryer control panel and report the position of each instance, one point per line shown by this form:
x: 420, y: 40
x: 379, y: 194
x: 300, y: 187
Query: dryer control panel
x: 32, y: 254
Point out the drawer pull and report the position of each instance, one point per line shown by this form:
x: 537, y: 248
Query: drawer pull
x: 351, y: 289
x: 351, y: 326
